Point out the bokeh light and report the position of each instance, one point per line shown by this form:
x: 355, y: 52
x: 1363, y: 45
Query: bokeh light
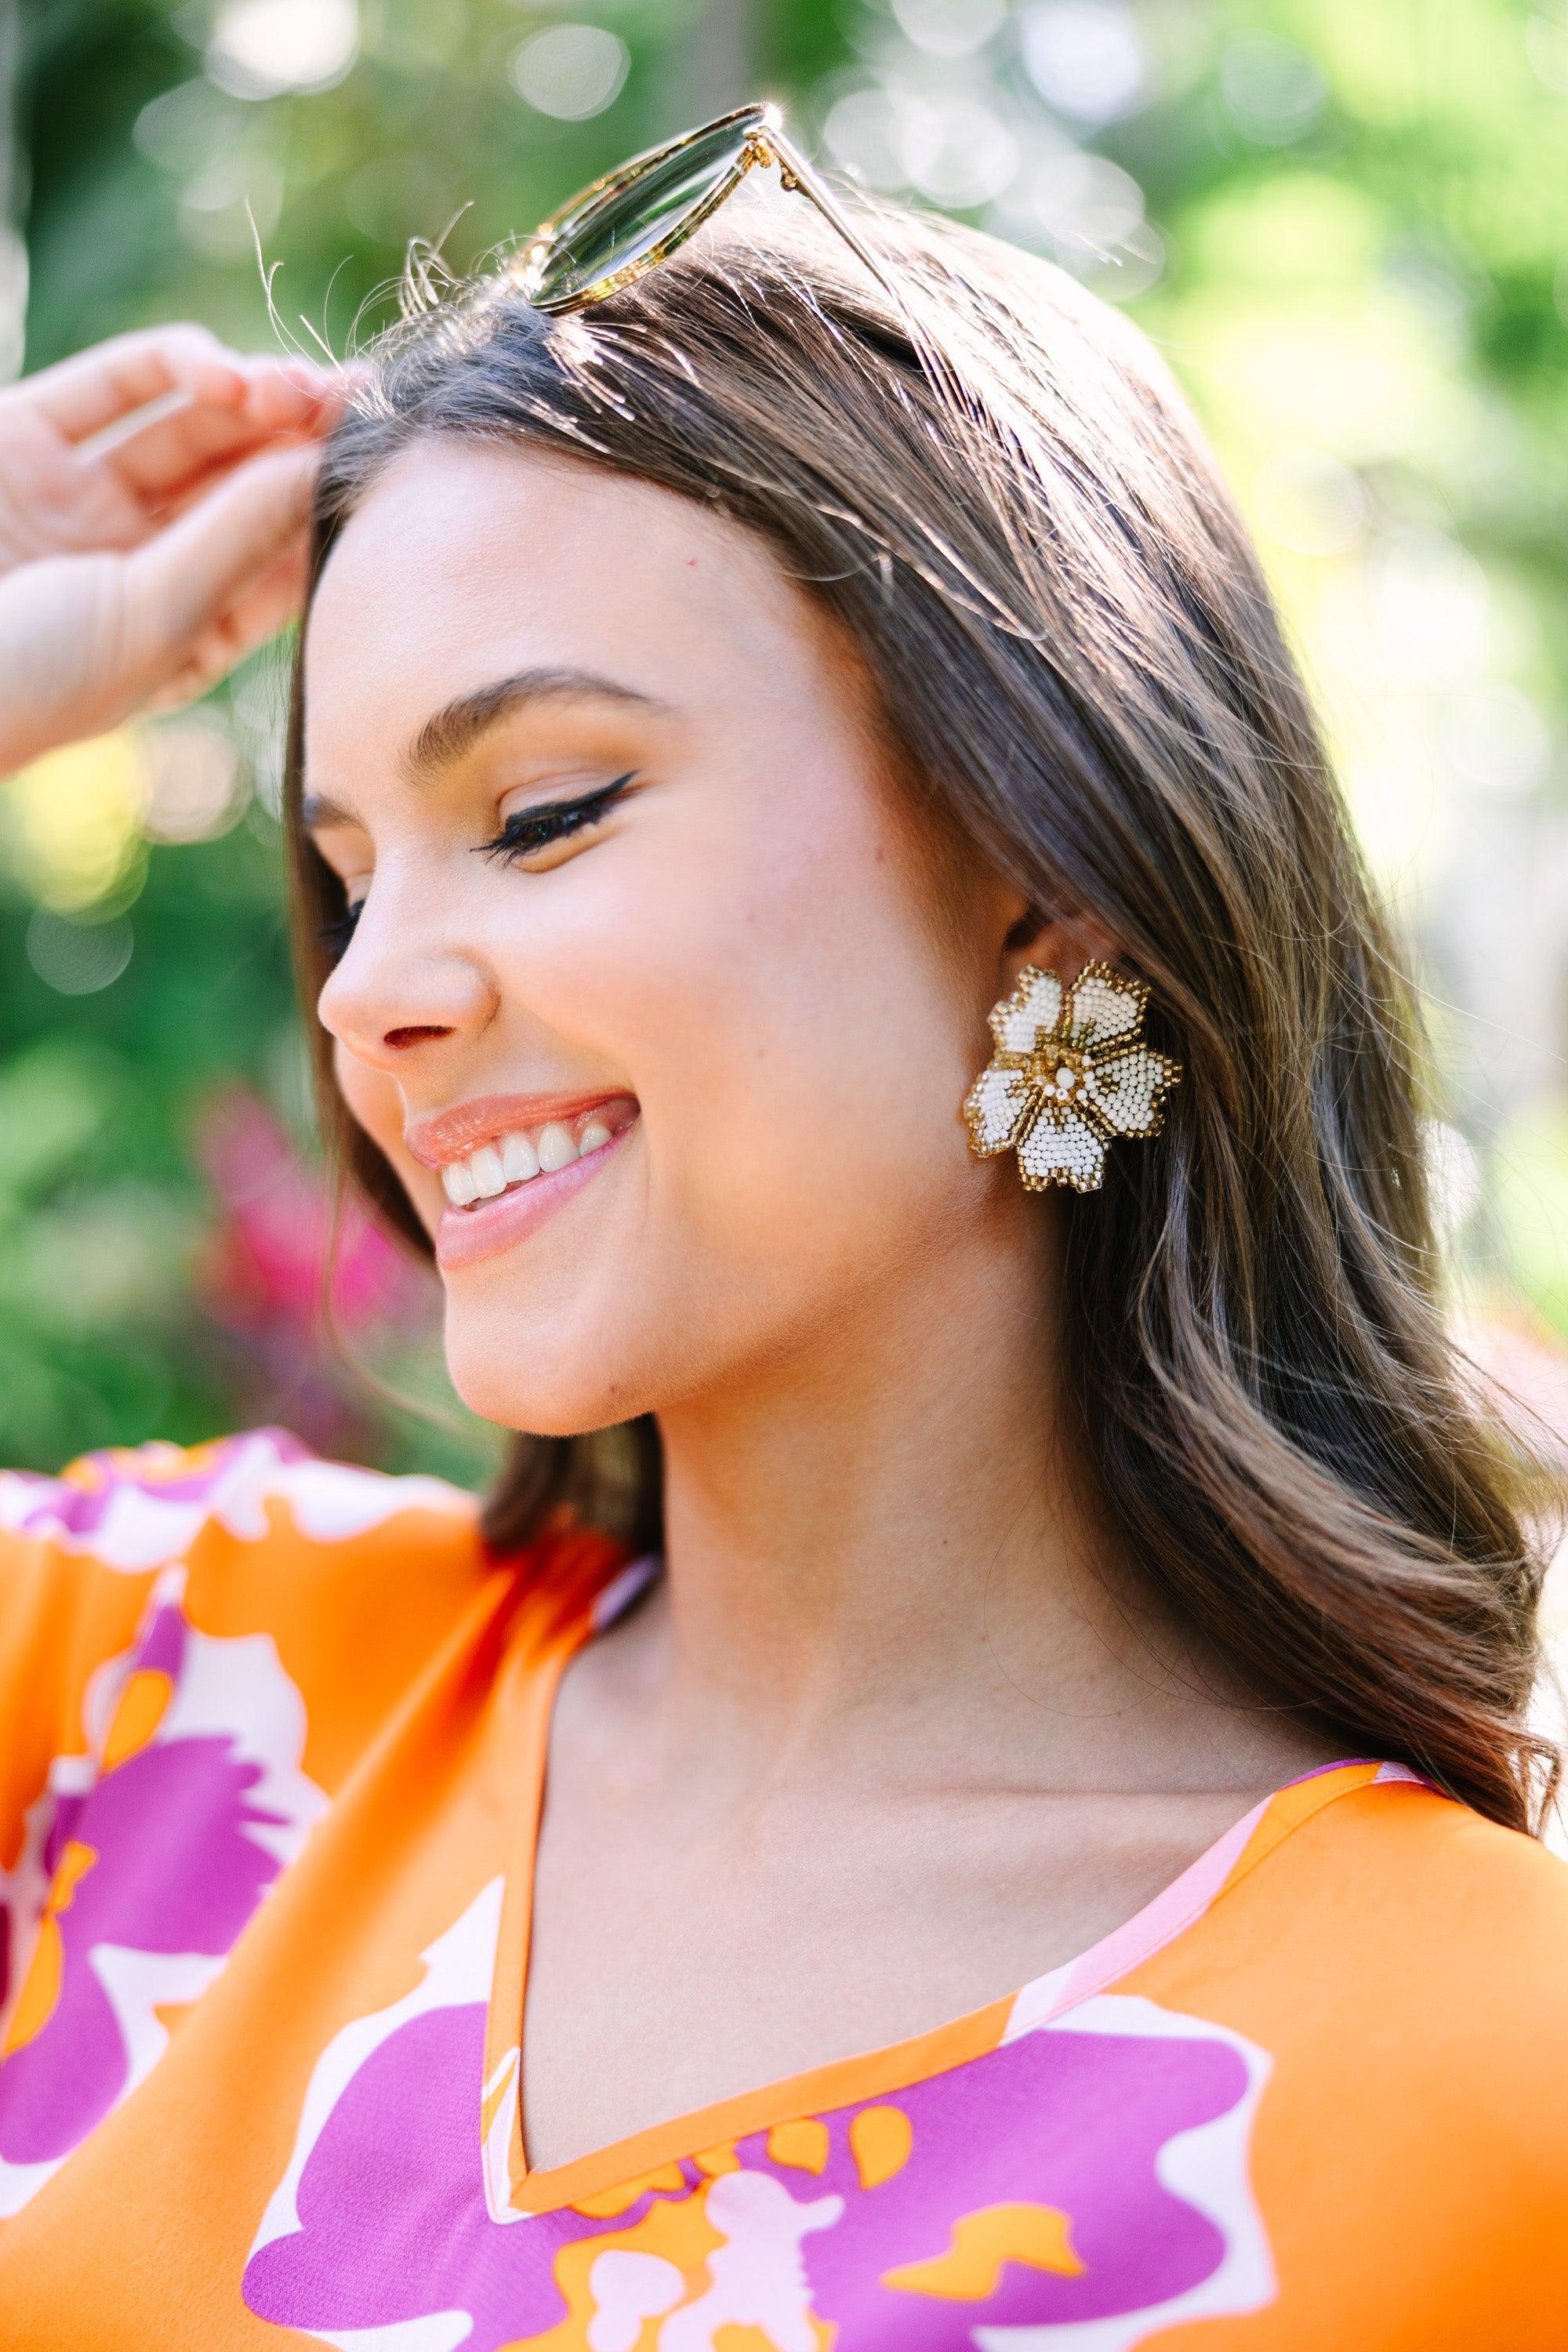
x: 1085, y: 57
x: 571, y: 70
x: 260, y: 47
x: 78, y: 959
x: 74, y: 822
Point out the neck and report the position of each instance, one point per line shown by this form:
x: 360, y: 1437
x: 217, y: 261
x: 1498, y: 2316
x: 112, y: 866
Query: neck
x: 886, y: 1539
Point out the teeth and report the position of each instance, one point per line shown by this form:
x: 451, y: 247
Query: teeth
x: 459, y: 1185
x: 485, y: 1168
x: 517, y: 1158
x: 556, y: 1149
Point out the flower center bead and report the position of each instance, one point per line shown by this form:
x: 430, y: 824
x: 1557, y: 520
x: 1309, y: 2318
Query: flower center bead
x: 1056, y: 1070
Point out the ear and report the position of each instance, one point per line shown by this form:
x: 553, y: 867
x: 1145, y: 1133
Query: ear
x: 1059, y: 943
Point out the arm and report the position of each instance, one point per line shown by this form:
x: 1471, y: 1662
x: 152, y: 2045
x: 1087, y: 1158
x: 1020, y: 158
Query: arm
x: 154, y: 496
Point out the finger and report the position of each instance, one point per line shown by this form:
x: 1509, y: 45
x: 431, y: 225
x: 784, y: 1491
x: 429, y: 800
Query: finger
x: 262, y: 607
x: 166, y: 455
x: 186, y: 496
x: 182, y: 582
x: 255, y: 615
x: 260, y: 610
x: 296, y: 395
x: 159, y: 459
x: 98, y: 387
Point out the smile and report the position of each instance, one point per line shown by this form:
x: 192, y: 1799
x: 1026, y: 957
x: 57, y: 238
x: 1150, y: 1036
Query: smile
x: 508, y: 1185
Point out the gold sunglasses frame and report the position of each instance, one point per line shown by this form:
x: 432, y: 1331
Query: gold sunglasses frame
x: 765, y: 143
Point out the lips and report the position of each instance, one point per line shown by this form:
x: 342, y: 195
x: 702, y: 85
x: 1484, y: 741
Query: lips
x: 567, y: 1157
x: 523, y: 1153
x: 451, y: 1135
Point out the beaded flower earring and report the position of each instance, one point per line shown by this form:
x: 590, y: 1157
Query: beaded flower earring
x: 1069, y: 1072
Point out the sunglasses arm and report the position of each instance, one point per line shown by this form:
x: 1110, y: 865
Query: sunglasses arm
x: 794, y: 171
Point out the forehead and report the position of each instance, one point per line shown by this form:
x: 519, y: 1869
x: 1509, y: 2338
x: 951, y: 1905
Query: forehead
x: 466, y: 560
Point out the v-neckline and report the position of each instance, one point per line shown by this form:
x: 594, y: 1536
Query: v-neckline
x: 514, y: 2189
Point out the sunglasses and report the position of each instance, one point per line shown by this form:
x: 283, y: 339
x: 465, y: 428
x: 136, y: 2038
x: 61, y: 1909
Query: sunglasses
x: 621, y: 227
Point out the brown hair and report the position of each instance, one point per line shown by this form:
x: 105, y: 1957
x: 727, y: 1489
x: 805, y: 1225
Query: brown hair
x: 1080, y: 664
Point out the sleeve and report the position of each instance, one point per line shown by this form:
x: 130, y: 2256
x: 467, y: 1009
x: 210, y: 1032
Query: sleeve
x: 195, y: 1648
x: 81, y: 1557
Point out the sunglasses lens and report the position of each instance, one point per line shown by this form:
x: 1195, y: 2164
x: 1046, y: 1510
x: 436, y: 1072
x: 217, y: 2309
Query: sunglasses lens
x: 616, y: 227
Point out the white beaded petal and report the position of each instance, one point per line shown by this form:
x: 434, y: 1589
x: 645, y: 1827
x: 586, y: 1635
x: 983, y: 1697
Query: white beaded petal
x: 1060, y: 1148
x: 1126, y: 1087
x: 1036, y: 1004
x: 1104, y: 1006
x: 995, y: 1106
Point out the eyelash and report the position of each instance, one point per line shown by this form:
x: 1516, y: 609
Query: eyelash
x: 538, y: 828
x: 524, y: 832
x: 335, y: 936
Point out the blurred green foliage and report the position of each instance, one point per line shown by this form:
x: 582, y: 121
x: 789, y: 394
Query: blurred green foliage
x: 1345, y: 221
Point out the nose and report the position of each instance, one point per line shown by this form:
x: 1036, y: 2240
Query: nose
x: 401, y: 985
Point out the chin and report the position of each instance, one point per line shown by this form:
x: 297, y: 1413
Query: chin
x: 536, y: 1395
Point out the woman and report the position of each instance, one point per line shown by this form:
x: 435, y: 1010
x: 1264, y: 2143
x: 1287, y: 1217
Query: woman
x: 1000, y: 1508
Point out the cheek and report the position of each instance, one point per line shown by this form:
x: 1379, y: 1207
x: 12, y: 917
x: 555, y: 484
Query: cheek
x: 793, y: 1035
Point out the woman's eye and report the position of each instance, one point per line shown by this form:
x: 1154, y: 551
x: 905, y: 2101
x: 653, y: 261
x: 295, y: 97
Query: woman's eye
x: 335, y: 936
x: 528, y: 831
x: 524, y: 835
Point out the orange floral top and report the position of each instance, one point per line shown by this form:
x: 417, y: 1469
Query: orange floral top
x: 274, y: 1734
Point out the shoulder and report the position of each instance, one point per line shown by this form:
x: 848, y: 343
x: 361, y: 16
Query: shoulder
x: 348, y: 1577
x: 134, y: 1509
x: 1396, y: 1966
x: 1394, y: 1941
x: 1377, y: 1879
x: 1485, y: 1906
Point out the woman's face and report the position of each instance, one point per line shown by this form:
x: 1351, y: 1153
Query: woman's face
x: 636, y: 910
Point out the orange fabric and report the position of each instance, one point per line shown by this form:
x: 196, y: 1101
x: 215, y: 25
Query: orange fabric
x: 274, y: 1736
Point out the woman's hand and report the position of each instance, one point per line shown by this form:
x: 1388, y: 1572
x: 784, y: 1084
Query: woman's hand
x: 142, y: 555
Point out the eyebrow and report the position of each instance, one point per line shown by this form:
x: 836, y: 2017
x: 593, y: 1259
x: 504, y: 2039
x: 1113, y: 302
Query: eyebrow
x: 458, y: 725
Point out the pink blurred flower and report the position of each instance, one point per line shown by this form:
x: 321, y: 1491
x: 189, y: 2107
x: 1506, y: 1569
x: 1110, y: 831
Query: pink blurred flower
x: 267, y: 1267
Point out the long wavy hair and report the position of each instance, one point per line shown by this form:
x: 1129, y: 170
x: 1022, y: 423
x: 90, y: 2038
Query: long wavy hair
x: 1080, y: 672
